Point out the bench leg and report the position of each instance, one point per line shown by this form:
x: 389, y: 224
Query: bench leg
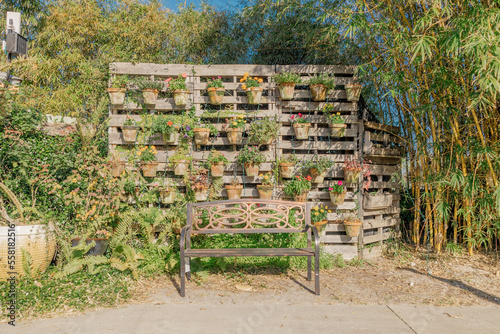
x: 183, y: 275
x: 316, y: 273
x: 309, y: 268
x: 188, y: 268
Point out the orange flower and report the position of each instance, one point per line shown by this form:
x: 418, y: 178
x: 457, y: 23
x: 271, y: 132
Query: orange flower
x: 244, y: 86
x: 261, y: 80
x: 169, y: 123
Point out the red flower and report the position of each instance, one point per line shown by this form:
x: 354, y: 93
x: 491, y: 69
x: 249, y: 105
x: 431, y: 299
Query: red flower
x: 169, y: 123
x: 308, y: 178
x: 298, y: 177
x: 300, y: 115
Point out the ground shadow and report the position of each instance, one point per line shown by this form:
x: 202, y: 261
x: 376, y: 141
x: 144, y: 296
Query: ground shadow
x: 174, y: 283
x: 481, y: 294
x: 300, y: 284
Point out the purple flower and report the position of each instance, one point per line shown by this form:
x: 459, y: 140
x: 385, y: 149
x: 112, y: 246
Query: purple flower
x: 188, y: 128
x: 185, y: 136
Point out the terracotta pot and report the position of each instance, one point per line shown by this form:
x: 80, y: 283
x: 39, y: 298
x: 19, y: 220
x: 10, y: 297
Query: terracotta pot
x: 265, y: 192
x: 251, y: 169
x: 117, y: 168
x: 150, y: 96
x: 167, y: 195
x: 316, y: 176
x: 181, y: 97
x: 181, y: 167
x: 129, y: 133
x: 351, y: 176
x: 337, y: 198
x: 254, y: 95
x: 301, y: 130
x: 201, y: 136
x: 234, y: 136
x: 321, y: 226
x: 117, y: 95
x: 215, y: 95
x: 352, y: 228
x: 101, y: 244
x: 353, y: 92
x: 149, y: 168
x: 217, y: 170
x: 302, y: 197
x: 318, y: 92
x: 287, y: 169
x: 377, y: 201
x: 287, y: 90
x: 337, y: 130
x: 170, y: 138
x: 233, y: 191
x: 201, y: 194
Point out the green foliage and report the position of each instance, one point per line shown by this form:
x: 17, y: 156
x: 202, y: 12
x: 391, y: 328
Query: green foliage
x: 290, y: 158
x: 298, y: 185
x: 250, y: 154
x: 320, y: 163
x: 323, y: 79
x: 147, y: 153
x: 262, y: 130
x: 299, y: 119
x: 287, y: 77
x: 120, y: 81
x: 216, y: 157
x: 318, y: 213
x: 337, y: 188
x: 125, y: 258
x: 331, y: 116
x: 163, y: 125
x: 237, y: 122
x: 129, y: 121
x: 178, y: 83
x: 216, y: 83
x: 143, y: 83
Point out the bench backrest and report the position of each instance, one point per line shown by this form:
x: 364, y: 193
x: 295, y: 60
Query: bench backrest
x: 248, y: 216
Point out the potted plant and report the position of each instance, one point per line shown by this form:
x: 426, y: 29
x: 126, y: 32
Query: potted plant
x: 180, y: 161
x: 353, y: 169
x: 179, y: 89
x: 117, y: 167
x: 263, y: 131
x: 198, y: 182
x: 131, y: 191
x: 234, y: 189
x: 317, y: 167
x: 99, y: 243
x: 251, y: 158
x: 335, y: 121
x: 352, y: 224
x: 319, y: 84
x: 337, y: 193
x: 217, y: 161
x: 287, y: 165
x: 147, y: 157
x: 165, y: 126
x: 252, y: 88
x: 150, y: 90
x: 215, y: 90
x: 298, y: 188
x: 286, y: 84
x: 377, y: 200
x: 301, y: 126
x: 353, y: 92
x: 129, y: 130
x: 166, y: 191
x: 117, y: 89
x: 266, y: 188
x: 234, y: 129
x: 319, y: 219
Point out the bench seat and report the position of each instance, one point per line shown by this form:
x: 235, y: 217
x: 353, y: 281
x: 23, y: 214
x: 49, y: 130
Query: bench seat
x: 229, y: 252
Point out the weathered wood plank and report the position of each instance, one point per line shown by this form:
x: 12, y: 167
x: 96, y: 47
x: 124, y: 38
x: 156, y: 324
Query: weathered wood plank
x: 317, y: 145
x: 386, y: 137
x: 164, y: 70
x: 305, y: 106
x: 380, y: 237
x: 312, y: 69
x: 337, y: 238
x: 377, y: 223
x: 233, y: 70
x: 348, y: 251
x: 383, y: 127
x: 235, y: 99
x: 317, y: 132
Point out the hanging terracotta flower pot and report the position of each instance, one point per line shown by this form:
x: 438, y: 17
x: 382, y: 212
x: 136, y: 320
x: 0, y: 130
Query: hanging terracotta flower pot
x: 129, y: 133
x: 234, y: 136
x: 216, y: 95
x: 181, y: 167
x: 265, y: 191
x: 287, y: 169
x: 317, y: 177
x: 117, y: 95
x: 352, y: 227
x: 337, y: 198
x: 181, y: 97
x: 337, y: 130
x: 287, y: 90
x: 149, y: 96
x: 353, y: 92
x: 201, y: 194
x: 217, y: 170
x: 351, y: 176
x: 302, y: 197
x: 318, y: 92
x: 301, y: 130
x: 149, y: 168
x: 201, y: 136
x: 321, y: 226
x: 251, y: 169
x: 254, y: 95
x: 170, y: 138
x: 117, y: 168
x: 234, y: 191
x: 167, y: 195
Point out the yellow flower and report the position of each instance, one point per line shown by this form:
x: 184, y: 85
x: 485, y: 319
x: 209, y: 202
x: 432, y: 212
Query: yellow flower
x: 322, y: 210
x: 240, y: 116
x: 145, y: 147
x: 316, y: 213
x: 261, y: 175
x: 244, y: 86
x: 316, y: 208
x: 255, y: 78
x: 245, y: 74
x: 266, y: 177
x: 242, y: 79
x: 329, y: 211
x: 153, y: 147
x: 338, y: 113
x: 73, y: 181
x: 235, y: 123
x: 261, y: 80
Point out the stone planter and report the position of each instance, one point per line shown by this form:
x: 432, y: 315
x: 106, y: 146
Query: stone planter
x: 301, y: 130
x: 117, y: 168
x: 254, y: 95
x: 149, y: 96
x: 251, y: 169
x: 351, y: 176
x: 287, y: 169
x: 287, y: 90
x: 129, y: 133
x: 234, y: 136
x: 217, y: 170
x: 181, y: 167
x: 101, y: 244
x: 149, y: 168
x: 167, y: 195
x: 117, y: 96
x: 265, y: 191
x: 377, y: 201
x: 170, y: 138
x: 181, y: 97
x: 318, y: 92
x: 337, y: 130
x: 316, y: 176
x: 201, y: 136
x: 201, y: 195
x: 353, y: 92
x: 337, y: 198
x: 302, y: 197
x: 352, y: 228
x: 215, y: 95
x: 233, y: 191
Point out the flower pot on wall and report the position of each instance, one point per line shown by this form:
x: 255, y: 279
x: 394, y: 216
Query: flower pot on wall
x: 129, y: 133
x: 149, y: 168
x: 302, y: 197
x: 318, y: 92
x: 265, y: 191
x: 287, y: 90
x: 254, y: 95
x: 201, y: 194
x: 217, y: 169
x: 170, y: 138
x: 167, y: 195
x: 117, y: 95
x: 216, y: 95
x: 181, y: 167
x: 337, y: 130
x: 317, y: 177
x: 301, y: 130
x: 353, y: 92
x: 377, y: 201
x: 117, y: 168
x: 181, y: 97
x: 351, y: 176
x: 287, y: 169
x: 352, y: 228
x: 337, y: 198
x: 150, y: 96
x: 234, y: 191
x: 201, y: 136
x: 251, y: 169
x: 234, y: 136
x: 321, y: 226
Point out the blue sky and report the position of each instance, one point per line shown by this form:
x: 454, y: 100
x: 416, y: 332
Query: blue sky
x: 219, y: 4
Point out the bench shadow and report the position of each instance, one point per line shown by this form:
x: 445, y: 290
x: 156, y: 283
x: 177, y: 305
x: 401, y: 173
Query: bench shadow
x: 293, y: 279
x: 459, y: 284
x: 175, y: 284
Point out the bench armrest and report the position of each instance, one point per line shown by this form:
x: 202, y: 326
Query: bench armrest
x: 184, y: 230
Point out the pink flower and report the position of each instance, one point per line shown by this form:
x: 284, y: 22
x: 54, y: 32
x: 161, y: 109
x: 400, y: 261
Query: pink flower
x: 219, y: 77
x: 184, y: 75
x: 300, y: 115
x: 340, y: 183
x: 168, y: 79
x: 292, y: 117
x: 330, y: 189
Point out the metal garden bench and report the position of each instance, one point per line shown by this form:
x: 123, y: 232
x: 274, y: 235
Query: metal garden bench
x: 248, y: 216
